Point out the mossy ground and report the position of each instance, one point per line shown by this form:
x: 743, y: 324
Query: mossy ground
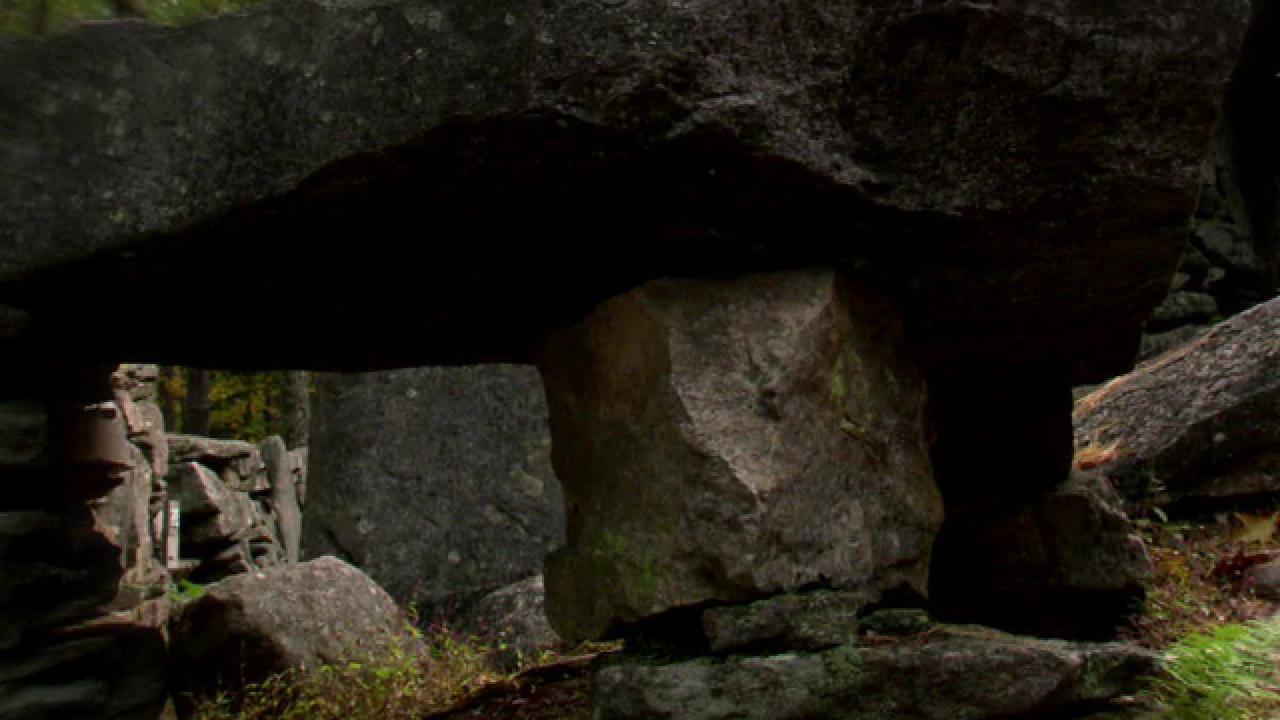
x: 1221, y: 642
x: 446, y: 676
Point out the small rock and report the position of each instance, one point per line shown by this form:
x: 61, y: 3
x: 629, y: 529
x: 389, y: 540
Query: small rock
x: 1265, y: 580
x: 514, y: 617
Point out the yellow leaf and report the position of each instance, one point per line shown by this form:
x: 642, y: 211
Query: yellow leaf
x: 1093, y: 455
x: 1256, y: 528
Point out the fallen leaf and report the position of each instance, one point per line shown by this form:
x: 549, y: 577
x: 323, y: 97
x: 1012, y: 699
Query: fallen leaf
x: 1233, y: 566
x: 1255, y: 528
x: 1093, y: 455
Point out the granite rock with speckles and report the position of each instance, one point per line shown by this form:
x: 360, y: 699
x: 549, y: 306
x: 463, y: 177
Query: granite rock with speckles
x: 724, y: 441
x: 435, y: 481
x: 1199, y: 422
x: 250, y: 626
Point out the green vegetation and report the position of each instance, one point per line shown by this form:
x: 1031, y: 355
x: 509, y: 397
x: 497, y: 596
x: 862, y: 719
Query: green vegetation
x: 1221, y: 644
x: 1231, y: 673
x: 233, y: 405
x: 432, y: 674
x: 184, y: 591
x: 42, y: 17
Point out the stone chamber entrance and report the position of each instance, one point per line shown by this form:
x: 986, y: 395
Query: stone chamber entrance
x: 807, y: 322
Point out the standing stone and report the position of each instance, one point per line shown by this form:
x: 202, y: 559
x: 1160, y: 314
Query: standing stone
x: 284, y: 494
x: 720, y: 441
x: 435, y: 481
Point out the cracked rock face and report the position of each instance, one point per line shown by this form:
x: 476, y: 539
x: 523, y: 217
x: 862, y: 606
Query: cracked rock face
x: 721, y: 441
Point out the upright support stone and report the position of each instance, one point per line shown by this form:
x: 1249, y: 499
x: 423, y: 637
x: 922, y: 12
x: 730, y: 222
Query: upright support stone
x: 723, y: 441
x: 284, y: 494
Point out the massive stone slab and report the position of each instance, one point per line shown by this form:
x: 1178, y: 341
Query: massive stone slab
x: 1024, y: 170
x: 436, y: 481
x: 721, y: 441
x: 1199, y: 422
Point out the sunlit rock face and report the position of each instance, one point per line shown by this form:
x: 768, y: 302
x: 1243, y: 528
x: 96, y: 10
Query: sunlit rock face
x: 721, y: 441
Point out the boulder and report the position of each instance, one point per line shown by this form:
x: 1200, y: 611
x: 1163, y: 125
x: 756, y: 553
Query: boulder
x: 435, y: 481
x: 1068, y: 564
x: 1198, y: 423
x: 248, y: 627
x: 513, y: 618
x: 950, y: 672
x: 722, y: 441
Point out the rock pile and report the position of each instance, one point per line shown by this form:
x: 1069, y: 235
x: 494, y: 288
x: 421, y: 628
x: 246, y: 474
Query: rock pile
x: 235, y: 505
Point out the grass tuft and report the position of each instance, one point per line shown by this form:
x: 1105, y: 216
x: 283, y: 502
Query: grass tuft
x: 1230, y: 673
x: 416, y: 672
x: 417, y: 675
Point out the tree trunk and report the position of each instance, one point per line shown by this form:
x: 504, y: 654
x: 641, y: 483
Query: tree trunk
x: 43, y: 17
x: 129, y: 8
x: 251, y: 383
x: 166, y: 398
x: 295, y: 408
x: 195, y: 413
